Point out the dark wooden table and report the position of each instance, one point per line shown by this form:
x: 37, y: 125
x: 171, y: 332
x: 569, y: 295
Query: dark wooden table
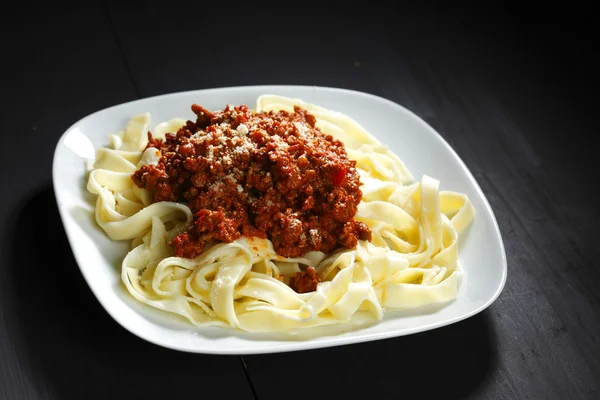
x: 512, y: 90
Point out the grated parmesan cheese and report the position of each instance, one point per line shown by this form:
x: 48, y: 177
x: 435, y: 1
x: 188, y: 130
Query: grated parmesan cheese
x: 242, y: 130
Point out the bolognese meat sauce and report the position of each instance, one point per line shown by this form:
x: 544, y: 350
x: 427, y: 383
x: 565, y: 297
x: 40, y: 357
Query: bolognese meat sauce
x: 305, y: 281
x: 274, y: 175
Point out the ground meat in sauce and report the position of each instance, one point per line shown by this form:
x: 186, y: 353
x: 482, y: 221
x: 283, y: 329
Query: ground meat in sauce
x: 305, y: 281
x: 270, y: 174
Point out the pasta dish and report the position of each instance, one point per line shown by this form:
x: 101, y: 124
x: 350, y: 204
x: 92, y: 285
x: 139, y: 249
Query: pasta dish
x: 287, y: 215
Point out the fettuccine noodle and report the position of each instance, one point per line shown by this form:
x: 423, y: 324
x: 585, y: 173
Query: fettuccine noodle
x: 411, y: 261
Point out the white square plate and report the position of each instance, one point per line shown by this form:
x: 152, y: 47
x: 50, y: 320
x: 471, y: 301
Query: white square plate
x: 422, y: 149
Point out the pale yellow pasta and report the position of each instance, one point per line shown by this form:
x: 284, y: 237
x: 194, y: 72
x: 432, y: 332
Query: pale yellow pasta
x: 411, y: 261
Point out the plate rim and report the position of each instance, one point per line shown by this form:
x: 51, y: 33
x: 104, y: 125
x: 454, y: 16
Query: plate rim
x: 291, y: 346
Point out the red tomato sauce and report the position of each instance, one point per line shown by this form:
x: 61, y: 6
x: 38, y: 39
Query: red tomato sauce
x: 273, y: 175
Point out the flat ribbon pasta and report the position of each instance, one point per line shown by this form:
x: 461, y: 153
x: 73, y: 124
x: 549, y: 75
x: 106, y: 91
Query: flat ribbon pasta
x: 411, y: 261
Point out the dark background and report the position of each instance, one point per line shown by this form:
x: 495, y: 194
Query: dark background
x: 511, y: 86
